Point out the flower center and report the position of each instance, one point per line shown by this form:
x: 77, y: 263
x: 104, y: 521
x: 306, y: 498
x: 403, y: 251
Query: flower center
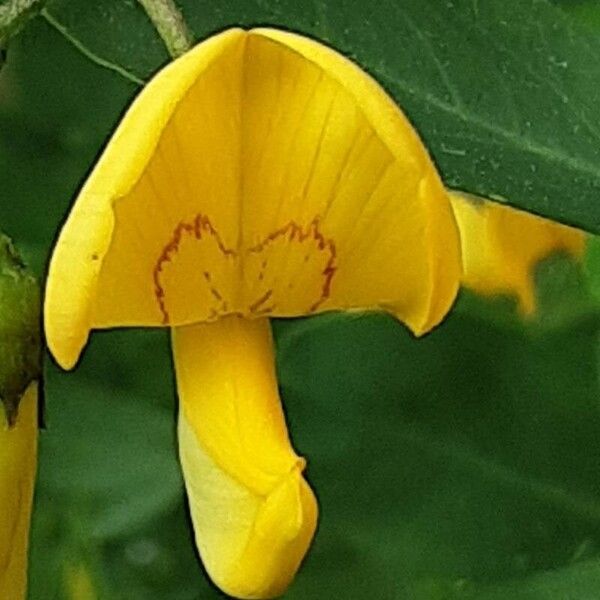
x: 198, y: 278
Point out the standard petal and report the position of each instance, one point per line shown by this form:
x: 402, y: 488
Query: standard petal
x: 18, y: 459
x: 260, y: 166
x: 254, y: 515
x: 502, y: 245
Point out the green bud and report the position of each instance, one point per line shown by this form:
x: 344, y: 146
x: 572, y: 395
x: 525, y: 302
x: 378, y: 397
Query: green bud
x: 20, y: 342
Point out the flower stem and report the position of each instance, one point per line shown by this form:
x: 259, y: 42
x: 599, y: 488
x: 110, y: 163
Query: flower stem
x: 170, y: 25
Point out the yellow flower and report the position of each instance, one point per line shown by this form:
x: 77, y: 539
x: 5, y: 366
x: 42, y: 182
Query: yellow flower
x: 501, y: 247
x: 259, y: 175
x: 18, y: 451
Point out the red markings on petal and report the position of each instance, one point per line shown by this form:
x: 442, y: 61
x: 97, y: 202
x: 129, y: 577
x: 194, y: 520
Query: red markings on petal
x: 201, y: 228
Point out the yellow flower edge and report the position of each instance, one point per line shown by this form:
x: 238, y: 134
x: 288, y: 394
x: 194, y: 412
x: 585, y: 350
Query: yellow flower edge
x: 260, y: 175
x: 502, y: 245
x: 18, y: 459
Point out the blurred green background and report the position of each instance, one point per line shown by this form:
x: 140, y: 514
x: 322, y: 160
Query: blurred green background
x: 465, y: 465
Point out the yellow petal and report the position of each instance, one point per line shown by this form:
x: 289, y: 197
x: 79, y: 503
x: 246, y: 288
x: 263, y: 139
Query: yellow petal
x: 18, y: 451
x: 175, y: 151
x: 254, y: 515
x: 502, y: 245
x: 351, y: 161
x: 261, y: 173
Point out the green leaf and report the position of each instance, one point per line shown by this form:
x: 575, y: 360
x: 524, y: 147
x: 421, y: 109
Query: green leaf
x: 592, y: 266
x: 118, y: 32
x: 587, y: 12
x: 562, y: 292
x: 505, y: 94
x: 578, y: 582
x: 110, y: 452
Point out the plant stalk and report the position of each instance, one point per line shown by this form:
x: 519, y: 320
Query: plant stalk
x: 170, y: 25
